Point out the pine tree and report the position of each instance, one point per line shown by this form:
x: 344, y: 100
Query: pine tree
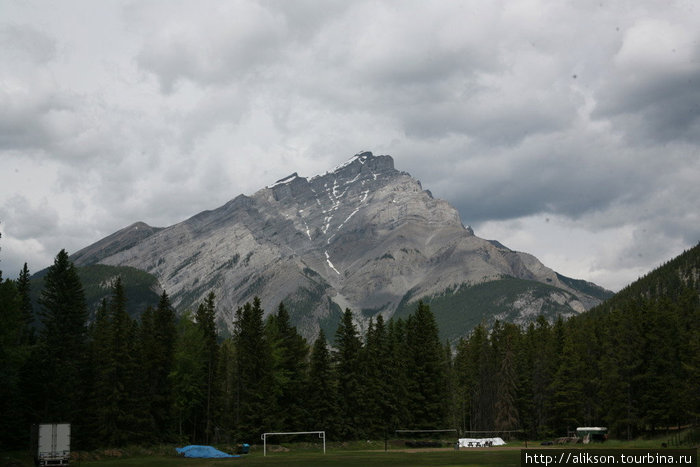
x: 226, y: 385
x: 26, y: 307
x: 290, y: 352
x: 117, y: 385
x: 140, y: 418
x: 348, y: 375
x: 426, y: 369
x: 186, y: 377
x: 149, y: 365
x: 158, y: 337
x: 161, y: 363
x: 546, y: 354
x: 320, y: 392
x: 377, y: 407
x: 568, y: 388
x: 205, y: 321
x: 464, y: 384
x: 620, y: 364
x: 450, y: 403
x: 525, y: 362
x: 690, y: 304
x: 255, y: 400
x: 98, y: 351
x: 13, y: 354
x: 506, y: 411
x: 475, y: 376
x: 661, y: 364
x: 397, y: 376
x: 63, y: 345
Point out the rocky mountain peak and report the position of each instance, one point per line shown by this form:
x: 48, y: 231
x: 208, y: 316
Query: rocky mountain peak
x: 367, y: 161
x: 363, y: 236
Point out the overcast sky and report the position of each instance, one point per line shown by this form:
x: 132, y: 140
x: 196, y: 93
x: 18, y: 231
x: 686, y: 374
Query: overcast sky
x: 565, y: 129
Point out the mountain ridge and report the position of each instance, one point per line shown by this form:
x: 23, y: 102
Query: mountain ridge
x: 360, y: 236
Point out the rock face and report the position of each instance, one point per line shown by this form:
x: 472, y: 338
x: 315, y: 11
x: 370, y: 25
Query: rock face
x: 363, y: 235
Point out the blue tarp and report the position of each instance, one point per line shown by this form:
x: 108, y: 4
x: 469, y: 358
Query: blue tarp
x: 205, y: 452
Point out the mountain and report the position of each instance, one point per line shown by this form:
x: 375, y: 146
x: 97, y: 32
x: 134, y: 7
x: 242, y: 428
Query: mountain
x: 669, y: 281
x: 363, y: 236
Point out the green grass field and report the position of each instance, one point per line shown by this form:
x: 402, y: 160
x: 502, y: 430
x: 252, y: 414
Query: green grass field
x: 341, y: 459
x: 308, y: 459
x: 357, y: 454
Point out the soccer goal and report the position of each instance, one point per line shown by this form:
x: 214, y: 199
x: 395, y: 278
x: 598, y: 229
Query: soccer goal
x: 321, y: 435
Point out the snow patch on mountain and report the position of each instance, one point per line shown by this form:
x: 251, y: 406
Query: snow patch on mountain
x: 328, y: 259
x: 285, y: 180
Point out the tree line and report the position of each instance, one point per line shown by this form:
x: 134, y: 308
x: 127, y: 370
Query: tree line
x: 166, y: 377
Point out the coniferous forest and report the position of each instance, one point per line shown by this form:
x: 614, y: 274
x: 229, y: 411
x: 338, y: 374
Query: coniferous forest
x: 631, y: 364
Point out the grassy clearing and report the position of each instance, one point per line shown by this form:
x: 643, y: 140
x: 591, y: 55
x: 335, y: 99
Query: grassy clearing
x: 341, y: 459
x: 137, y: 457
x: 354, y: 454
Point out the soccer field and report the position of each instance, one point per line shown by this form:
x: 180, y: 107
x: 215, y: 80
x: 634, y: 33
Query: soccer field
x: 342, y: 459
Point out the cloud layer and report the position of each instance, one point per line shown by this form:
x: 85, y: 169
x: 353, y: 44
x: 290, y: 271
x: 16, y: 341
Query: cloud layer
x: 566, y: 129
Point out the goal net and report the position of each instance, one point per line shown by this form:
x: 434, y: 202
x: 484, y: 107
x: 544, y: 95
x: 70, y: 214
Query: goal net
x: 288, y: 434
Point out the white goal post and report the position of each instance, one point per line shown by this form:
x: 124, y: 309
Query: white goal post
x: 321, y: 434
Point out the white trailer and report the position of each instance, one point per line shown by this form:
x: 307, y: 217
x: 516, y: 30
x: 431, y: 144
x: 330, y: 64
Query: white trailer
x: 51, y: 443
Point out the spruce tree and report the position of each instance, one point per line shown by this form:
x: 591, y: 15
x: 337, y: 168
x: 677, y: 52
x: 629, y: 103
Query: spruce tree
x: 620, y: 367
x: 158, y: 337
x: 26, y: 307
x: 290, y: 352
x: 375, y: 361
x: 186, y: 377
x: 117, y: 380
x: 205, y: 322
x: 525, y: 357
x: 506, y: 411
x: 255, y: 400
x: 63, y: 345
x: 349, y: 374
x: 139, y: 406
x: 148, y: 358
x: 98, y: 350
x: 544, y: 358
x: 480, y: 376
x: 321, y: 397
x: 465, y: 383
x: 568, y: 387
x: 226, y: 385
x: 397, y: 377
x: 690, y: 304
x: 450, y: 402
x: 661, y: 364
x: 426, y: 369
x: 160, y: 364
x: 13, y: 354
x: 382, y: 371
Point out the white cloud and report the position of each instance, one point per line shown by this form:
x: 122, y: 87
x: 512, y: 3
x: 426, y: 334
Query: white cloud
x: 585, y: 113
x: 211, y: 43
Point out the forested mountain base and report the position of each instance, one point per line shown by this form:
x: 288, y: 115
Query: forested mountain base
x: 632, y: 364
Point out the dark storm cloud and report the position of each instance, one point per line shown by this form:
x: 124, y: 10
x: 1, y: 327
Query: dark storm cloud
x: 554, y: 182
x: 652, y: 90
x: 664, y: 109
